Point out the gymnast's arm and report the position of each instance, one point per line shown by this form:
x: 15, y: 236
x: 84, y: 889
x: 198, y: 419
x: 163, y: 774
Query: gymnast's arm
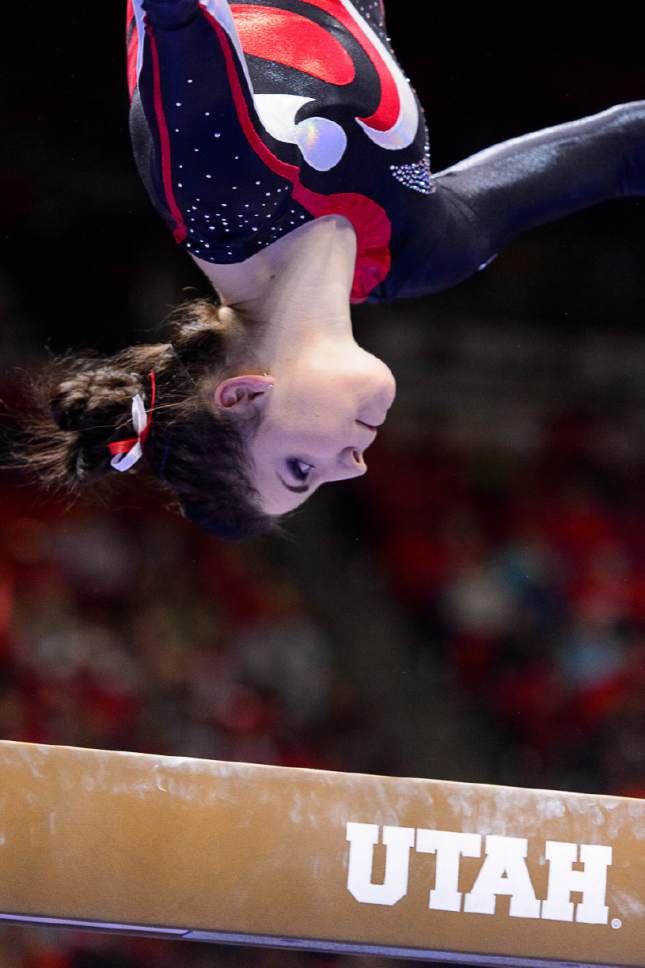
x: 187, y: 134
x: 482, y: 203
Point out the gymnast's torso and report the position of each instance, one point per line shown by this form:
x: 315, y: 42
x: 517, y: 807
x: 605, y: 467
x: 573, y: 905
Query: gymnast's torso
x: 251, y: 119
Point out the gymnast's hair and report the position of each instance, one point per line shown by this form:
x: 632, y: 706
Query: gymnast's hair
x: 197, y: 451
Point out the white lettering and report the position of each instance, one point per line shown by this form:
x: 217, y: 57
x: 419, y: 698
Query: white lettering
x: 504, y: 872
x: 563, y: 879
x: 449, y: 847
x: 398, y: 841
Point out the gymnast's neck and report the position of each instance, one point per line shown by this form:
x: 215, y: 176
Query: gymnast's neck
x: 298, y: 284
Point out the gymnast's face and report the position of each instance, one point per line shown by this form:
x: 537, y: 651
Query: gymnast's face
x: 318, y: 419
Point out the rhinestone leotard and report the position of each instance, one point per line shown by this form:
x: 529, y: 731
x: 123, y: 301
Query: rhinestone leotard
x: 251, y: 118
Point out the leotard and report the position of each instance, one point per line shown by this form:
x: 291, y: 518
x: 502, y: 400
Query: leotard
x: 249, y: 119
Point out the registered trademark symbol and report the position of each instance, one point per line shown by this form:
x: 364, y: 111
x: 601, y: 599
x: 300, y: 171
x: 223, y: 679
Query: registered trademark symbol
x: 616, y: 923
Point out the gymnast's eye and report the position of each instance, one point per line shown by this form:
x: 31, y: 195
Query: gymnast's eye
x: 299, y: 469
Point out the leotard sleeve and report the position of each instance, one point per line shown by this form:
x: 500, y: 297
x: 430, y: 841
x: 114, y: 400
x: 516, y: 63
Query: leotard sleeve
x: 190, y: 99
x: 482, y: 203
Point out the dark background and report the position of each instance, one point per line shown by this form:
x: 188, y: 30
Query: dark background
x: 79, y: 231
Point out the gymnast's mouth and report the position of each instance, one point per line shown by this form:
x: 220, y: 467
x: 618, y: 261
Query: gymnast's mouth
x: 374, y: 428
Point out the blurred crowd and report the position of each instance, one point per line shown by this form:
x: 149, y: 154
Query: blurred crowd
x: 125, y: 628
x: 526, y: 577
x: 128, y: 629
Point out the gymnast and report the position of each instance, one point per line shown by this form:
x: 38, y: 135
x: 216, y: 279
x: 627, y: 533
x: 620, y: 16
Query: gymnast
x: 288, y: 155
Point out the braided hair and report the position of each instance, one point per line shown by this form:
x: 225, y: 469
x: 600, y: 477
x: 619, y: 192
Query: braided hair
x: 83, y: 402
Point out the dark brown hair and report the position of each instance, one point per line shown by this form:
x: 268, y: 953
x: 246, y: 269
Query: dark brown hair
x: 83, y: 402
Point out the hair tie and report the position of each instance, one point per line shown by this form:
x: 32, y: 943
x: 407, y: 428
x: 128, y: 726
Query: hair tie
x: 128, y: 452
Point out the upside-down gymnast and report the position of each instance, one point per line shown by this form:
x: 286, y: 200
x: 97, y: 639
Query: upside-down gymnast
x: 288, y: 155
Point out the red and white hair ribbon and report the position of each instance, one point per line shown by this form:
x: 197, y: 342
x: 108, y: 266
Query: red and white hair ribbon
x: 128, y: 452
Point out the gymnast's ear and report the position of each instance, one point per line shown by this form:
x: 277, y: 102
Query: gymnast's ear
x: 240, y: 394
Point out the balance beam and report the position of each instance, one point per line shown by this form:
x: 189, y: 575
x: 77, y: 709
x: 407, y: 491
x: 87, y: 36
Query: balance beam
x: 337, y: 862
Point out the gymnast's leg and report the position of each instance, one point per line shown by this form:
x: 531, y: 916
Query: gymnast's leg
x: 485, y: 201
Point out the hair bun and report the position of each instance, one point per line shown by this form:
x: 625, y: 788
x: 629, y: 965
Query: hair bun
x: 94, y: 399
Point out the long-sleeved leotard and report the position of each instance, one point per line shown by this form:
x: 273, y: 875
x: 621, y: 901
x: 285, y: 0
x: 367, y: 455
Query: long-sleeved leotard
x: 250, y: 119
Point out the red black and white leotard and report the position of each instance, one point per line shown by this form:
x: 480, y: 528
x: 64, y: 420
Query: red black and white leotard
x: 249, y: 119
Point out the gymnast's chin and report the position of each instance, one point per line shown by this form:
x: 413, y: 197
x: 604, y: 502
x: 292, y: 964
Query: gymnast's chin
x: 260, y: 395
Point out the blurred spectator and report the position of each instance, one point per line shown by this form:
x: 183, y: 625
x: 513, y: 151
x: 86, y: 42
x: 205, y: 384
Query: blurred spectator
x: 532, y: 593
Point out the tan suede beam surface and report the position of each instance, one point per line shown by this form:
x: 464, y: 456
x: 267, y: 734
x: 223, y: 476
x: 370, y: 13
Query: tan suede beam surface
x: 247, y: 854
